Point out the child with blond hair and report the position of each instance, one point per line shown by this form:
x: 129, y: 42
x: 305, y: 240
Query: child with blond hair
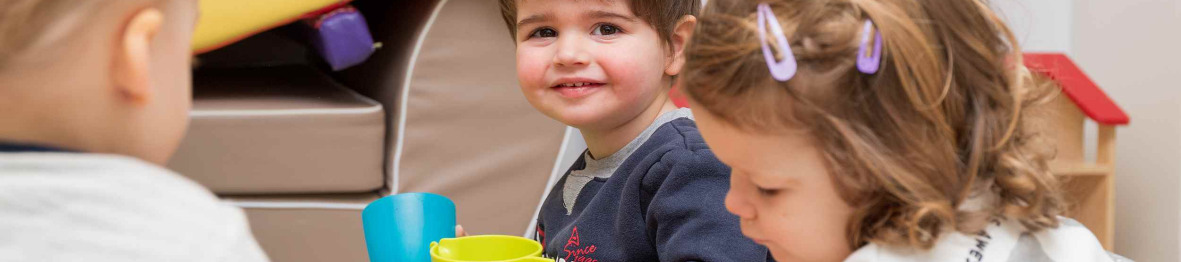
x: 94, y: 97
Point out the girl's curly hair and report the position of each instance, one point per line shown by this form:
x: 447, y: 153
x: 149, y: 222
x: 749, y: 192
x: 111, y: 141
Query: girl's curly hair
x: 943, y: 122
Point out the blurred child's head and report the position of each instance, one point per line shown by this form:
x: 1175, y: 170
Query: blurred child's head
x: 598, y: 63
x: 834, y: 158
x: 96, y: 76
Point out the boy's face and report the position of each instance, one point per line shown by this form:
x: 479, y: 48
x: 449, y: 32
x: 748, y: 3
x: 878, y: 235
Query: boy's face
x: 170, y: 75
x: 588, y: 64
x: 781, y: 191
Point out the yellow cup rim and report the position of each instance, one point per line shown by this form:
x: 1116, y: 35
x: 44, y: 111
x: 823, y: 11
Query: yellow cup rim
x: 535, y: 254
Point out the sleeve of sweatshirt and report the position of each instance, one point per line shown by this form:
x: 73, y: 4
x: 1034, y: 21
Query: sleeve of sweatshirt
x: 686, y: 215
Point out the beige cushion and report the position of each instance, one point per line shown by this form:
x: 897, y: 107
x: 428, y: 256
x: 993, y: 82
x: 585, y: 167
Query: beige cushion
x: 469, y: 132
x: 287, y: 129
x: 308, y: 228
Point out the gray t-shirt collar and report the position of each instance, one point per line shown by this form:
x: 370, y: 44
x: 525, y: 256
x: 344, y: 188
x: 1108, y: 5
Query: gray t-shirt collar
x: 603, y: 168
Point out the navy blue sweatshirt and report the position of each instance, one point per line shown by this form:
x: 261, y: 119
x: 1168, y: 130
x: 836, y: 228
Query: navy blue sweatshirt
x: 663, y: 203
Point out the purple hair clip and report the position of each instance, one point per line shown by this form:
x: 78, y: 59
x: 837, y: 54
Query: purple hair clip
x: 869, y: 63
x: 780, y: 70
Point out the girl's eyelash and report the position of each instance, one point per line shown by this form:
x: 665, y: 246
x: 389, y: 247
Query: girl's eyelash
x: 767, y: 192
x: 762, y: 191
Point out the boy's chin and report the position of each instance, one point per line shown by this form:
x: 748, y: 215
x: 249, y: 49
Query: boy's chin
x: 580, y: 122
x: 582, y: 119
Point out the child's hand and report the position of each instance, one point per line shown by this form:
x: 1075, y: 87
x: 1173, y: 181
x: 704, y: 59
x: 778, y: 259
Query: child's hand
x: 459, y: 231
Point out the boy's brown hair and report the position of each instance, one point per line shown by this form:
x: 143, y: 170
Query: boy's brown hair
x: 661, y: 14
x: 936, y: 140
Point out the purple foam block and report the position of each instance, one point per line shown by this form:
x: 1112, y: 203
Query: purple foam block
x: 342, y: 38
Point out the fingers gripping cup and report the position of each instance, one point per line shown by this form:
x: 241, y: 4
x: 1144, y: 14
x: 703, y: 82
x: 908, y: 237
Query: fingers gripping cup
x: 400, y: 228
x: 487, y: 248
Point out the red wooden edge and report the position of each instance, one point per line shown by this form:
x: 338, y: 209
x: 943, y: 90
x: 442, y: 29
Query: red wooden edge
x: 1078, y: 87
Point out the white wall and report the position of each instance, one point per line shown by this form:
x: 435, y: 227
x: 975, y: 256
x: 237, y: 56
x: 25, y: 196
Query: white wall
x: 1130, y: 47
x: 1040, y: 25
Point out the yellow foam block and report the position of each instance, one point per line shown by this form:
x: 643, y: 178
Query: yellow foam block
x: 223, y: 22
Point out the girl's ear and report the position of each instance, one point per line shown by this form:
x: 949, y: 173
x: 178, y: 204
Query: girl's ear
x: 130, y: 64
x: 680, y: 36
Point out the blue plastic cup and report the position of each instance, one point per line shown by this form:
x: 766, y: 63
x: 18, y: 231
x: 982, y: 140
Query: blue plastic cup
x: 400, y: 228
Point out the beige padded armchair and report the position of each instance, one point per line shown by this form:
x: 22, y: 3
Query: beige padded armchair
x: 436, y: 109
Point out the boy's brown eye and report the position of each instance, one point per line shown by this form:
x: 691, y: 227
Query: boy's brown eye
x: 544, y: 32
x: 606, y: 29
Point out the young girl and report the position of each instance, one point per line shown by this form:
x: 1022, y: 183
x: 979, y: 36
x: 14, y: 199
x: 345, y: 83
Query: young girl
x: 878, y: 130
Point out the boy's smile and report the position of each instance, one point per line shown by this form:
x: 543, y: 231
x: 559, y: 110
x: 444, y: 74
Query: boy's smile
x: 576, y: 87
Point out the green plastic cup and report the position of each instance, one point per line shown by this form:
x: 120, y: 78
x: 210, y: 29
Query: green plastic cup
x: 487, y: 248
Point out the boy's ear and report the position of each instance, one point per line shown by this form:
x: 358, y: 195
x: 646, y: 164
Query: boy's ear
x: 680, y: 36
x: 132, y: 53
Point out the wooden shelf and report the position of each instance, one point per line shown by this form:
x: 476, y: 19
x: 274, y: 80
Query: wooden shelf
x: 1082, y: 170
x: 1090, y: 196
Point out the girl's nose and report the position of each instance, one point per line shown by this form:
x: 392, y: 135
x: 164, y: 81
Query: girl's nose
x: 738, y: 205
